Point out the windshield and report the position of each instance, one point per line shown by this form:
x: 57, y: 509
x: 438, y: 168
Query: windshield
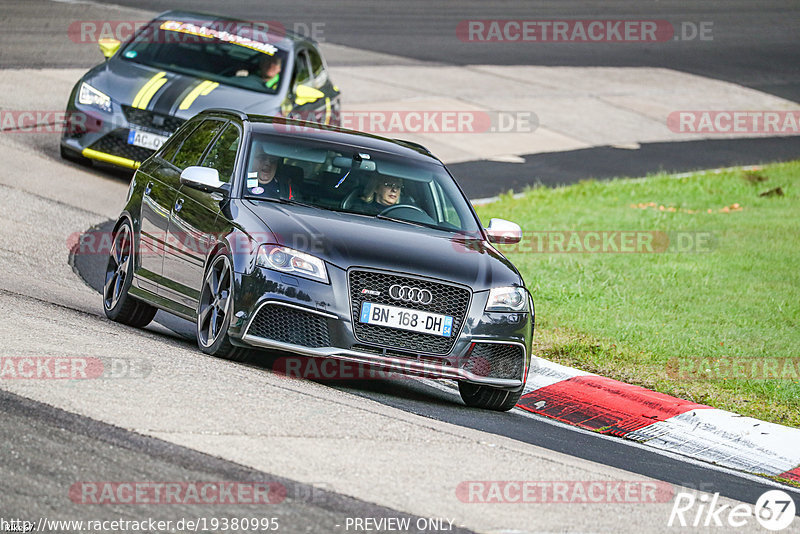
x: 343, y: 178
x: 213, y: 51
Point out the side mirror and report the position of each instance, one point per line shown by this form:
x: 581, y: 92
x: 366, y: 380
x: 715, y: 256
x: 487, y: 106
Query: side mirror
x: 204, y: 179
x: 303, y: 94
x: 503, y: 232
x: 109, y: 46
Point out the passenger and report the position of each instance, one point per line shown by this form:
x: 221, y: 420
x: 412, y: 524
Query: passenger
x: 379, y: 195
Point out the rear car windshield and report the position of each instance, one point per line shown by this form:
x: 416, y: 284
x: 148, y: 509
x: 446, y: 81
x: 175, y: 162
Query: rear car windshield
x: 350, y: 179
x: 213, y: 51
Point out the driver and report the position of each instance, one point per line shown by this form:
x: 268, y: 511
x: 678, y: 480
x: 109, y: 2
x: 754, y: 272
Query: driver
x: 380, y: 193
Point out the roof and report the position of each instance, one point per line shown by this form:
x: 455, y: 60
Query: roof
x: 208, y: 18
x: 329, y: 134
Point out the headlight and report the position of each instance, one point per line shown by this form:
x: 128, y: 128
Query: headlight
x: 287, y: 260
x: 507, y: 299
x: 90, y: 96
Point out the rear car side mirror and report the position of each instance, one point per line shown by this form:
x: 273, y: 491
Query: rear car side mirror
x: 204, y: 179
x: 108, y: 46
x: 503, y: 232
x: 305, y: 95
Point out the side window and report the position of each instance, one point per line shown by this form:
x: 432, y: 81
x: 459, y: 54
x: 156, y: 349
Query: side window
x: 222, y: 155
x: 316, y: 62
x: 174, y: 142
x: 300, y: 75
x: 317, y: 68
x: 192, y: 149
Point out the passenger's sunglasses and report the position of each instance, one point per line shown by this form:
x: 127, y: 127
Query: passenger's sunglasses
x: 393, y: 185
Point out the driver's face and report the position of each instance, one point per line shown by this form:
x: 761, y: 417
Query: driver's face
x: 389, y: 192
x: 266, y: 167
x: 271, y: 69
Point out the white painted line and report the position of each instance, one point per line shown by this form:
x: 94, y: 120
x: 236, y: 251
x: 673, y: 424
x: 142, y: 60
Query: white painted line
x: 545, y: 373
x: 727, y: 439
x: 664, y: 452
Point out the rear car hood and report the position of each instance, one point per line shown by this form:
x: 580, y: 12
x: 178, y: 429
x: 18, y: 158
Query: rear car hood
x: 124, y: 80
x: 348, y: 240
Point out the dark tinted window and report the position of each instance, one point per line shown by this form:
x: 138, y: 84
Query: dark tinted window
x: 300, y: 69
x: 174, y: 142
x: 192, y: 149
x: 222, y: 51
x: 316, y: 62
x: 349, y: 179
x: 222, y: 156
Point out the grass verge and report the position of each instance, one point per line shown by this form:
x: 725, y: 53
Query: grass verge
x: 703, y: 305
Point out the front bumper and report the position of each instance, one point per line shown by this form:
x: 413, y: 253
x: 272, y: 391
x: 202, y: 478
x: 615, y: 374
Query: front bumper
x: 316, y: 320
x: 103, y: 136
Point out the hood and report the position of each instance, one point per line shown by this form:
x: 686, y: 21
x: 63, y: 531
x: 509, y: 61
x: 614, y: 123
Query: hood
x: 347, y: 240
x: 124, y: 80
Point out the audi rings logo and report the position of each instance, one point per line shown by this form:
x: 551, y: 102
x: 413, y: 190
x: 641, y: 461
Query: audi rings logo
x: 410, y: 294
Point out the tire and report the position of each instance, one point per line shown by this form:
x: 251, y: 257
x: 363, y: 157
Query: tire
x: 75, y: 157
x: 118, y: 305
x: 214, y: 312
x: 489, y: 398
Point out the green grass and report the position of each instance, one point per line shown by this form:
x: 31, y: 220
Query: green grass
x: 627, y: 315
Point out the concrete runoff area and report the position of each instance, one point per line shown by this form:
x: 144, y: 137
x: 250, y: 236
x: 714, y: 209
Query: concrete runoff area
x: 305, y: 433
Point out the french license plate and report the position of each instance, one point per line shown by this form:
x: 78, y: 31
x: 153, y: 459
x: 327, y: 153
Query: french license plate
x: 406, y: 319
x: 146, y: 139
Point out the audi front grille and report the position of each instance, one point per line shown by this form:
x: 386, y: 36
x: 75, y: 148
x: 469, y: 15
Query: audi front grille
x: 446, y: 299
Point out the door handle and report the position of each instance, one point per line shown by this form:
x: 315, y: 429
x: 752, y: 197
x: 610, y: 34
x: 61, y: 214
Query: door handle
x: 148, y: 188
x: 178, y: 204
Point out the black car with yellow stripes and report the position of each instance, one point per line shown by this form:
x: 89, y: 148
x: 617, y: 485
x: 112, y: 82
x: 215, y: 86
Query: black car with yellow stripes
x: 181, y: 63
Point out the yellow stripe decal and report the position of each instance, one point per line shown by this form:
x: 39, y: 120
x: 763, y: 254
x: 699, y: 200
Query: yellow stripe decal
x: 201, y: 90
x: 137, y: 100
x: 108, y: 158
x: 327, y: 111
x: 150, y: 92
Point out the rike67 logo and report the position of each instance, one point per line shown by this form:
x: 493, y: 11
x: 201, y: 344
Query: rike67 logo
x: 774, y: 510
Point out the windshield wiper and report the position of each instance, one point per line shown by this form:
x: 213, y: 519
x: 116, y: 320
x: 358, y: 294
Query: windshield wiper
x: 283, y: 201
x: 412, y: 223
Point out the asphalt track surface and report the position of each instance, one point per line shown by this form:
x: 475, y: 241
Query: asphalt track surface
x: 436, y: 403
x: 81, y: 445
x: 755, y: 45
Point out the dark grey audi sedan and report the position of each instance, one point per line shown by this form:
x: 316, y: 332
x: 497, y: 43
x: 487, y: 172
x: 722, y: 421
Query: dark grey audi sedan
x: 289, y: 236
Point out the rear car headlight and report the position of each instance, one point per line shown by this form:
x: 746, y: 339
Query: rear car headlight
x: 507, y: 299
x: 287, y: 260
x: 90, y: 96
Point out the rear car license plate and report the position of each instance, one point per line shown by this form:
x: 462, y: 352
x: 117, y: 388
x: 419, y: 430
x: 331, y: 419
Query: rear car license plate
x: 146, y: 139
